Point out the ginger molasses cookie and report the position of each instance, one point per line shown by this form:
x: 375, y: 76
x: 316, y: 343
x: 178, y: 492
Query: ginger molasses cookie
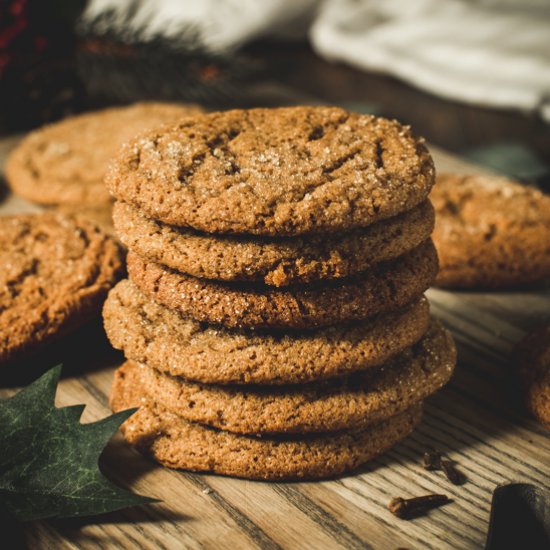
x: 149, y: 333
x: 65, y: 162
x: 385, y: 287
x: 277, y: 172
x: 276, y: 262
x: 533, y: 355
x: 56, y: 273
x: 333, y: 405
x: 490, y: 232
x: 177, y: 443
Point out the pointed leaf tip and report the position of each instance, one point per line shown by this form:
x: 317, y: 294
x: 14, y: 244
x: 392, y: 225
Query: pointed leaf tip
x: 105, y: 428
x: 46, y: 383
x: 53, y: 468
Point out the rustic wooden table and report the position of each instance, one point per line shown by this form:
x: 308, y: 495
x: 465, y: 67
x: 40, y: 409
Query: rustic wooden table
x: 476, y: 420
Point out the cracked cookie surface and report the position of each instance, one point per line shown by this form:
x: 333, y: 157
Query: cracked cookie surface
x: 277, y: 172
x: 334, y: 405
x: 65, y: 162
x: 385, y: 287
x: 56, y: 273
x: 276, y: 262
x: 490, y: 232
x: 153, y: 334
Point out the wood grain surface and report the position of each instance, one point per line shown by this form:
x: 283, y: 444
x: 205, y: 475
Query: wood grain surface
x: 477, y: 420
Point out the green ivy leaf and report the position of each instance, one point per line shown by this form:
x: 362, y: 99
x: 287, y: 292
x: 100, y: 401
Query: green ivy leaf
x: 49, y: 460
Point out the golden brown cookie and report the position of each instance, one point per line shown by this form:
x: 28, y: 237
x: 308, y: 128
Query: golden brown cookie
x: 385, y: 287
x: 334, y: 405
x: 533, y: 356
x: 276, y: 262
x: 490, y: 232
x: 149, y: 333
x: 176, y: 443
x: 277, y: 172
x: 65, y: 162
x: 56, y: 273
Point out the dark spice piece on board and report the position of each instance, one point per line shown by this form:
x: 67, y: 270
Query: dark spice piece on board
x: 453, y: 475
x: 413, y: 507
x: 431, y: 460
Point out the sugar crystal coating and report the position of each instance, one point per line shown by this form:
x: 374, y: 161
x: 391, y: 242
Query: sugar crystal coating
x: 284, y: 171
x: 387, y: 286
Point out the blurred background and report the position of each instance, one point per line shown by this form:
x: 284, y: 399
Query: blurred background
x: 472, y: 76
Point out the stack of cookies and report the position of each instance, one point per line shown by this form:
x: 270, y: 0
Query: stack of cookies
x: 274, y: 322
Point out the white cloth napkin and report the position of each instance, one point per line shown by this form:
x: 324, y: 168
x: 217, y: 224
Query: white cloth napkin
x: 484, y: 52
x: 488, y: 53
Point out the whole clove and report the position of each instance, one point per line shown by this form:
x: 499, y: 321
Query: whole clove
x: 431, y: 460
x: 453, y: 475
x: 413, y: 507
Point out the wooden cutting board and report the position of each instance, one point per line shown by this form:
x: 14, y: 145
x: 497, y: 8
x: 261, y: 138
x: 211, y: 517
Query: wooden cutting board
x: 476, y: 420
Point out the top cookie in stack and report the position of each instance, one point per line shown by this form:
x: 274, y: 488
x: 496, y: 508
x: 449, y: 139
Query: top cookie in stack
x: 273, y: 253
x: 275, y: 172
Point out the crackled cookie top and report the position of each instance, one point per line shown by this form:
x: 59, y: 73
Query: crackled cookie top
x: 65, y: 162
x: 490, y: 232
x: 285, y: 171
x: 56, y: 272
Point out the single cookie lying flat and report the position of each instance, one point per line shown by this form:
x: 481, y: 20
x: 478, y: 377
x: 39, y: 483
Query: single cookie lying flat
x: 65, y: 162
x: 56, y: 272
x: 490, y: 232
x: 385, y: 287
x: 277, y: 262
x: 533, y: 355
x: 176, y: 443
x: 286, y: 171
x: 149, y: 333
x: 334, y: 405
